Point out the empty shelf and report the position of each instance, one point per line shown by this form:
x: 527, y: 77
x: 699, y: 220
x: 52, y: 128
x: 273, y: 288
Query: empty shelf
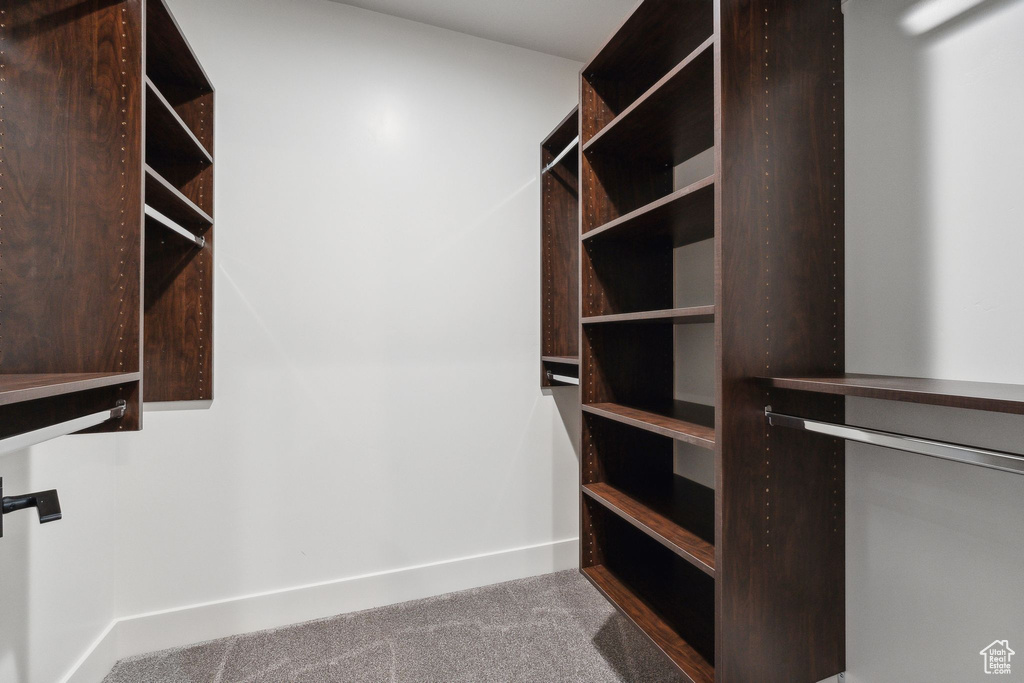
x: 154, y: 216
x: 564, y: 360
x: 677, y: 316
x: 671, y: 122
x: 692, y: 423
x: 21, y: 388
x: 676, y: 538
x: 170, y: 59
x: 169, y: 201
x: 690, y: 662
x: 168, y: 137
x: 998, y: 398
x: 685, y: 216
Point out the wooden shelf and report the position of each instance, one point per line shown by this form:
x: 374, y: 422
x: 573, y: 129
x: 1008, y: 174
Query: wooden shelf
x: 692, y: 423
x: 658, y: 526
x: 560, y: 244
x: 168, y: 137
x: 650, y: 42
x: 168, y: 200
x: 170, y: 60
x: 671, y: 122
x: 676, y: 316
x: 562, y: 360
x: 690, y: 662
x: 21, y: 388
x: 686, y: 216
x: 997, y: 398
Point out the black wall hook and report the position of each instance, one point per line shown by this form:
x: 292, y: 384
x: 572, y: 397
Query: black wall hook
x: 46, y: 503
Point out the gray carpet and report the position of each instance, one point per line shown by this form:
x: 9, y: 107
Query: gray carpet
x: 544, y: 629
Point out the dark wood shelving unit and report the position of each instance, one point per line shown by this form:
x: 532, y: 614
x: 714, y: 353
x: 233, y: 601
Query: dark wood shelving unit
x: 102, y: 303
x: 179, y: 167
x: 992, y: 397
x: 737, y: 582
x: 672, y: 121
x: 693, y: 664
x: 72, y: 214
x: 559, y: 159
x: 171, y: 202
x: 169, y: 136
x: 660, y: 527
x: 685, y: 216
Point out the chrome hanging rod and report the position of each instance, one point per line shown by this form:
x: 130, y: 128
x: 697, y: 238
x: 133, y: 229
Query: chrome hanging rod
x: 20, y: 441
x: 561, y: 155
x: 168, y: 223
x: 980, y: 457
x: 564, y: 379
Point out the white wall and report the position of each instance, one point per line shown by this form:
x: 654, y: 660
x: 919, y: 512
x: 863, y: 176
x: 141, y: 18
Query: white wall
x: 56, y: 581
x: 377, y: 400
x: 934, y: 282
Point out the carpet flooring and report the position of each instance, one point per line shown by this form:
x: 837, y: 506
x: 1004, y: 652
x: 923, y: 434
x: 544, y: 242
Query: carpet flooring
x: 544, y: 629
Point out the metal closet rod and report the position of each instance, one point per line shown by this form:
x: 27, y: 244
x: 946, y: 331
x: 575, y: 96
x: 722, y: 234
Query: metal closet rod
x: 564, y: 379
x: 167, y: 222
x: 561, y: 155
x: 37, y: 436
x: 979, y: 457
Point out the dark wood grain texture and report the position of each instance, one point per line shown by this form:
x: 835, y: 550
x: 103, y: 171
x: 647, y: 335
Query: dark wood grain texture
x: 684, y: 216
x: 168, y: 137
x: 672, y: 121
x: 766, y: 93
x: 70, y: 268
x: 655, y: 37
x: 678, y: 592
x: 21, y: 388
x: 780, y: 545
x: 993, y: 397
x: 688, y: 422
x: 696, y: 668
x: 560, y: 248
x: 170, y: 60
x: 676, y: 538
x: 179, y: 183
x: 162, y: 195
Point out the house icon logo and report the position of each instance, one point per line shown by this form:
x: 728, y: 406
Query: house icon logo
x: 997, y: 657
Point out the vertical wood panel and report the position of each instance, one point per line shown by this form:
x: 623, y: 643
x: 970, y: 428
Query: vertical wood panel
x: 71, y: 256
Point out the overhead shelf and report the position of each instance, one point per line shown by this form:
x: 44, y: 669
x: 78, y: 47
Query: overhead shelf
x: 168, y: 137
x: 659, y: 526
x: 30, y: 387
x: 676, y: 316
x: 685, y: 216
x: 691, y: 423
x: 998, y: 398
x: 170, y: 60
x: 696, y: 668
x: 671, y: 122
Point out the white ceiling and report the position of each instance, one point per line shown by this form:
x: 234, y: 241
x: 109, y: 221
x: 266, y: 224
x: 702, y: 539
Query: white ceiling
x: 574, y: 29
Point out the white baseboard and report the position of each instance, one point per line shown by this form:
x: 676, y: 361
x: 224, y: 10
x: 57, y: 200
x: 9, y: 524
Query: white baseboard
x: 141, y: 633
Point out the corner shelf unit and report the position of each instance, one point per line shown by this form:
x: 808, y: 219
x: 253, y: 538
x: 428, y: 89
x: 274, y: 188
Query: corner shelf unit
x: 90, y: 140
x: 178, y: 302
x: 559, y: 160
x: 742, y: 581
